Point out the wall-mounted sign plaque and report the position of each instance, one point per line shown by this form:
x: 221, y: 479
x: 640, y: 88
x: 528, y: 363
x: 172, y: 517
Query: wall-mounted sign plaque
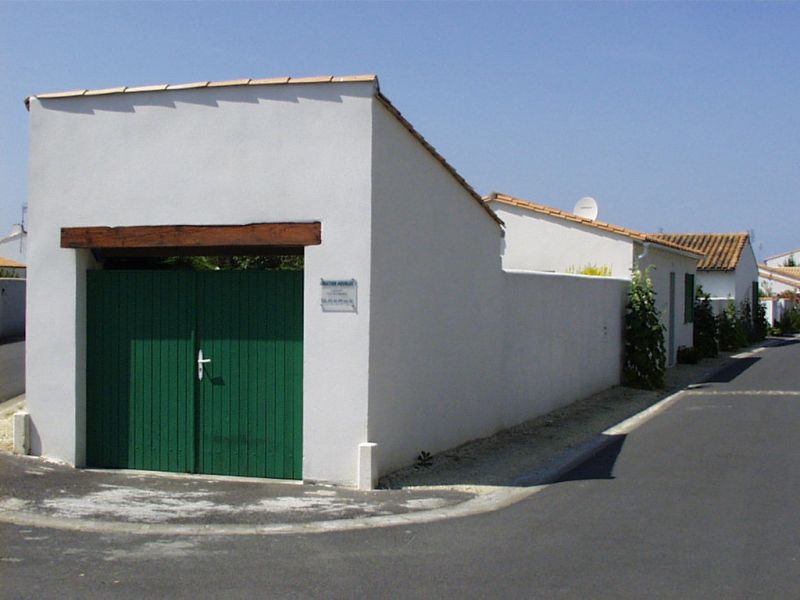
x: 339, y: 295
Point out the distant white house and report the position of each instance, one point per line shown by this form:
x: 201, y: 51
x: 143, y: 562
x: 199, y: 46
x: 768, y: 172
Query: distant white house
x: 775, y: 281
x: 542, y: 238
x: 14, y: 245
x: 784, y: 259
x: 780, y: 287
x: 729, y: 270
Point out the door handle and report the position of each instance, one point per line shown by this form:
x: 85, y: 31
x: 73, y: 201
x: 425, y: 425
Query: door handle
x: 200, y: 362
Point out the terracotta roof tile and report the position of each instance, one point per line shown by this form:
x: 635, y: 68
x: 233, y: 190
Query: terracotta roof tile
x: 722, y: 250
x: 786, y: 275
x: 229, y: 83
x: 7, y: 263
x: 567, y: 216
x: 790, y: 271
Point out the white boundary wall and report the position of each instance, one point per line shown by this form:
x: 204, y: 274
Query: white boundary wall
x: 539, y: 242
x: 459, y: 348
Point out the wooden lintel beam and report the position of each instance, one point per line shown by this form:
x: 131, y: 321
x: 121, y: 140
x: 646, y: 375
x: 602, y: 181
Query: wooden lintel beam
x: 206, y: 237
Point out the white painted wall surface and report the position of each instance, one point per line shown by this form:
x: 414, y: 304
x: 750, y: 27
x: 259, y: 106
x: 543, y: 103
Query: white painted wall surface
x: 12, y: 307
x: 718, y: 284
x: 436, y: 289
x: 537, y: 242
x: 736, y: 285
x: 231, y: 155
x: 662, y: 263
x: 459, y: 349
x: 746, y: 274
x: 562, y: 340
x: 780, y: 260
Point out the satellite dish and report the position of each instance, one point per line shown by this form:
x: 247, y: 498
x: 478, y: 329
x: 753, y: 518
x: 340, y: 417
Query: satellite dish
x: 586, y: 207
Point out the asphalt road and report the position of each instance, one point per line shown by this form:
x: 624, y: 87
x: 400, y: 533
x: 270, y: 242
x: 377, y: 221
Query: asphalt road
x: 699, y: 502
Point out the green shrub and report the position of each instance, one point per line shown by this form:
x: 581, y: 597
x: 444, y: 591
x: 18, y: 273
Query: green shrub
x: 731, y: 332
x: 645, y: 356
x: 705, y: 325
x: 790, y: 322
x: 760, y: 324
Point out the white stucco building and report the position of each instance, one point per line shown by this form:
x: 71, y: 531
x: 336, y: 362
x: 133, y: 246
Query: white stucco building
x: 543, y: 238
x: 783, y: 259
x: 728, y: 271
x: 402, y: 333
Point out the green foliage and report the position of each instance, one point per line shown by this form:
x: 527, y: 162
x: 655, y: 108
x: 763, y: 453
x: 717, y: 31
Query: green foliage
x: 731, y: 331
x: 705, y: 325
x: 591, y: 269
x: 263, y: 263
x: 210, y: 263
x: 760, y: 323
x: 789, y: 322
x: 10, y: 273
x: 424, y: 459
x: 645, y: 356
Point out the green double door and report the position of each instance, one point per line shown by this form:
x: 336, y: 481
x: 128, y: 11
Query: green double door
x: 195, y: 371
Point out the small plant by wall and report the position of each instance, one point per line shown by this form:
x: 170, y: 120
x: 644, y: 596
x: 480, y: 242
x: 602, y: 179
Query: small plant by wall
x: 591, y: 269
x: 705, y: 325
x: 645, y: 356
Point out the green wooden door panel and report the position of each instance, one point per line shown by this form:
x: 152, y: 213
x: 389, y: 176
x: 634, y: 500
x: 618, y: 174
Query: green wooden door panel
x: 140, y: 395
x: 249, y: 324
x: 146, y: 408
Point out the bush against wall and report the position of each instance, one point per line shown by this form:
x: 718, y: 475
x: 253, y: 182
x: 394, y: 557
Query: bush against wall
x: 645, y: 356
x: 731, y: 332
x: 705, y: 325
x: 789, y: 322
x: 760, y: 323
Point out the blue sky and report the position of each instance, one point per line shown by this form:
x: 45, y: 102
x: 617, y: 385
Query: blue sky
x: 674, y: 116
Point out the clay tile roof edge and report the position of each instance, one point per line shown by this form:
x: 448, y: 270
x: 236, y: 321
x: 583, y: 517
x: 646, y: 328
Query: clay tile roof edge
x: 7, y: 263
x: 723, y: 251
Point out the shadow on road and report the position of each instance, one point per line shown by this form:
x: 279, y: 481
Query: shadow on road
x: 732, y: 371
x: 777, y: 342
x: 600, y: 466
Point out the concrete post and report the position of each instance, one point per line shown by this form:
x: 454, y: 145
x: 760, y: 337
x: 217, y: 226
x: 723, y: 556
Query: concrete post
x: 21, y: 436
x: 367, y: 466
